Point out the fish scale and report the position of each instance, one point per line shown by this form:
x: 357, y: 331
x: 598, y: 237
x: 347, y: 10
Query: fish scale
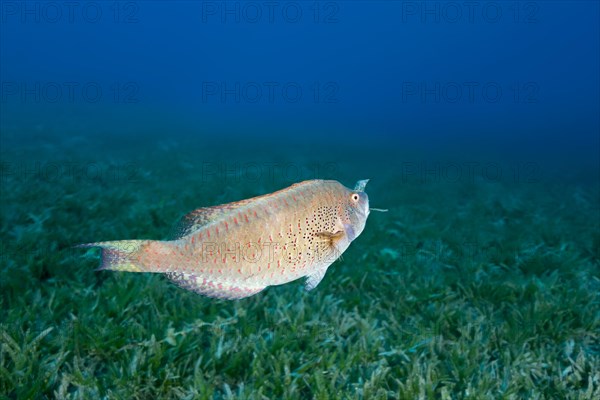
x: 236, y: 250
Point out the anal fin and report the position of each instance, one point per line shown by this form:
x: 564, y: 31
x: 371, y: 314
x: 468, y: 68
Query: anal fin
x: 210, y: 288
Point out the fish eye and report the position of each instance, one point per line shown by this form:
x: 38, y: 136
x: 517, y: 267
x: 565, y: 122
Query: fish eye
x: 354, y: 197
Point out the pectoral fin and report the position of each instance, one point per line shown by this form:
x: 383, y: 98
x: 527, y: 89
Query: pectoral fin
x: 330, y: 237
x: 326, y: 246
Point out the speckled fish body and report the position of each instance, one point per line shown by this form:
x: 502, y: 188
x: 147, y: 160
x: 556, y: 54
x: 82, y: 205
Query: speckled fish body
x: 237, y: 249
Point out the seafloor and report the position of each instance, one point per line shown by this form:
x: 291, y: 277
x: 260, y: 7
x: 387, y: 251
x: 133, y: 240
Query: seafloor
x: 481, y: 285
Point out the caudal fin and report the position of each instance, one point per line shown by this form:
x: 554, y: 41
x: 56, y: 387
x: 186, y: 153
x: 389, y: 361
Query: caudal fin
x: 121, y: 255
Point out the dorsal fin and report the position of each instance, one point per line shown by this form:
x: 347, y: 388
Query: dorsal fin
x: 194, y: 220
x: 200, y: 217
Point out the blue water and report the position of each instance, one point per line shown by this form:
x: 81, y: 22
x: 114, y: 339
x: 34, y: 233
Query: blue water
x: 485, y: 81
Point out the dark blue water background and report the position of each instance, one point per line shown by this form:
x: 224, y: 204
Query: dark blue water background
x: 376, y: 82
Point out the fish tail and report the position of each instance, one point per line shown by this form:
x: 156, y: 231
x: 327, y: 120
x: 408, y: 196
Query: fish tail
x: 121, y: 255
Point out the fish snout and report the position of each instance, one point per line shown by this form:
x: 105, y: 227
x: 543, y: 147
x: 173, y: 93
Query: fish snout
x: 364, y: 203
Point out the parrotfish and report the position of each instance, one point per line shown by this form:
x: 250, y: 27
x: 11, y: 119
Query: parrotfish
x: 236, y: 250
